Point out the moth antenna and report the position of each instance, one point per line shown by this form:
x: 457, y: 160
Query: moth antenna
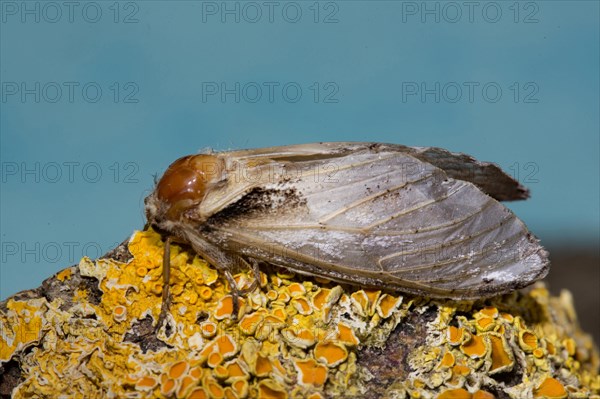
x: 206, y: 150
x: 233, y: 147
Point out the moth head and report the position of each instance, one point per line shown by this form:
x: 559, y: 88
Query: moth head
x: 182, y: 188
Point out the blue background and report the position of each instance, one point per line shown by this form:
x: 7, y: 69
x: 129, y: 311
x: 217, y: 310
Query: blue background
x: 365, y: 57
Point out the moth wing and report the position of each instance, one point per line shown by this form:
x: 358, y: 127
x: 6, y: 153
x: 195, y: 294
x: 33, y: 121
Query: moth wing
x: 375, y: 214
x: 249, y: 168
x: 486, y: 175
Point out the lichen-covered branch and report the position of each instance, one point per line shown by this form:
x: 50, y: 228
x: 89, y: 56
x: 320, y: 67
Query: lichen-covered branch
x: 89, y: 331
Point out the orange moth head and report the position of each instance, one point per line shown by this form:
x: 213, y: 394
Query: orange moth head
x: 183, y: 186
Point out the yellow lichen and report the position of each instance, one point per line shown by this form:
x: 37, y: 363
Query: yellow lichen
x: 455, y: 335
x: 296, y: 290
x: 269, y: 389
x: 550, y: 388
x: 301, y: 338
x: 447, y: 360
x: 459, y: 393
x: 198, y: 393
x: 208, y: 329
x: 570, y: 346
x: 293, y: 337
x: 360, y: 301
x: 502, y: 359
x: 346, y: 335
x: 311, y: 373
x: 64, y: 275
x: 146, y: 383
x: 21, y: 326
x: 263, y: 366
x: 250, y: 323
x: 484, y: 324
x: 302, y: 306
x: 225, y: 307
x: 474, y: 347
x: 387, y: 304
x: 119, y: 313
x: 187, y: 383
x: 240, y: 387
x: 490, y: 311
x: 330, y: 353
x: 527, y: 340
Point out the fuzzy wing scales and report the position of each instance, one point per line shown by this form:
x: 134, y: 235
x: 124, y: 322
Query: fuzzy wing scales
x: 378, y: 215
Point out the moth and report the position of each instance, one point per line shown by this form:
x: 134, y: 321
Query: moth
x: 418, y: 220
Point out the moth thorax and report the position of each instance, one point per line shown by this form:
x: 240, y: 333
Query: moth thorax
x: 186, y: 182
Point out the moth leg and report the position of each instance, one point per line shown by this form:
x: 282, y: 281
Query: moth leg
x: 255, y: 272
x: 221, y: 260
x: 235, y: 291
x: 166, y: 297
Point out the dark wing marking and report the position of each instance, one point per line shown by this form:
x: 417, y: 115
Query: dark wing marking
x: 485, y: 175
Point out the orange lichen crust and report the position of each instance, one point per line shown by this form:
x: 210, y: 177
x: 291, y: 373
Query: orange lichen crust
x: 294, y: 337
x: 473, y: 349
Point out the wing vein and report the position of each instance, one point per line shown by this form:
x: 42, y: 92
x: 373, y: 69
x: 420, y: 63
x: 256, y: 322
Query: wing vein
x: 364, y: 230
x: 423, y: 204
x: 450, y: 243
x: 369, y: 198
